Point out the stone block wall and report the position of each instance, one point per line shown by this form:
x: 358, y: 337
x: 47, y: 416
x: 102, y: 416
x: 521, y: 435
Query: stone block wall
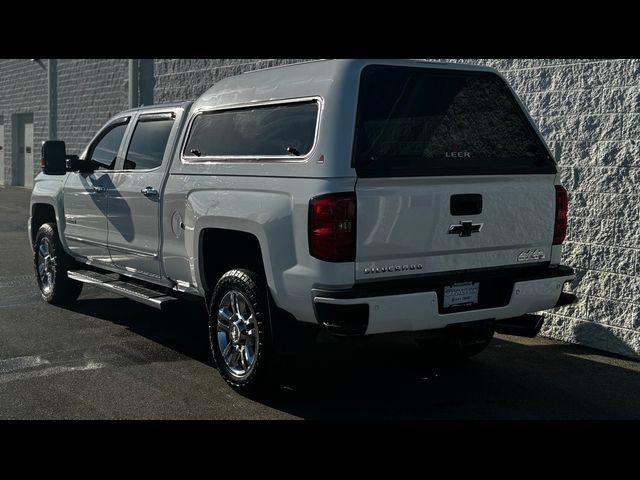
x: 89, y: 93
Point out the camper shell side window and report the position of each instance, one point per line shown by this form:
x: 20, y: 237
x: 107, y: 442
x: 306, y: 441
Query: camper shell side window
x: 285, y: 130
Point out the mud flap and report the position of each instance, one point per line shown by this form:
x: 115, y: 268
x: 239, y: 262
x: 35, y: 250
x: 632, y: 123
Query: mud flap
x: 289, y: 335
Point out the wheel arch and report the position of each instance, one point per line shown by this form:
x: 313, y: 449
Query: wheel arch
x: 41, y: 213
x: 46, y: 205
x: 224, y: 249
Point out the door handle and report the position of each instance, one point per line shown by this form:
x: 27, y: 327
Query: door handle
x: 149, y: 192
x: 99, y: 189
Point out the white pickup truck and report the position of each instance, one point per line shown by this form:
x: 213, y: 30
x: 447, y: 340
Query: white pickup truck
x: 354, y: 197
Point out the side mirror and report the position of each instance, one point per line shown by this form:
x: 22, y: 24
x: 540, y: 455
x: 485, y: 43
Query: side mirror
x: 54, y: 157
x: 74, y: 164
x: 129, y: 165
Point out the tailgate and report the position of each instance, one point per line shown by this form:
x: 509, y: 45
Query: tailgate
x: 415, y: 225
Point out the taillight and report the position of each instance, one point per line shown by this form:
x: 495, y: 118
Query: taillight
x: 562, y: 211
x: 332, y: 227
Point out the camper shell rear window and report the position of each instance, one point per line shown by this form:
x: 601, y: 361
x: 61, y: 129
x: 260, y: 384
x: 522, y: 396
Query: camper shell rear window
x: 422, y: 122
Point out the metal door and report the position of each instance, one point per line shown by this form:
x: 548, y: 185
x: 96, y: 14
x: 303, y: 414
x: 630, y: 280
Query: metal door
x: 28, y: 154
x: 23, y: 150
x: 1, y: 151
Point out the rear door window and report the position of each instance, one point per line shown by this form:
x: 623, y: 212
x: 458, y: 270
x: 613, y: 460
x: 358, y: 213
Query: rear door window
x: 418, y: 121
x: 282, y: 130
x: 149, y: 142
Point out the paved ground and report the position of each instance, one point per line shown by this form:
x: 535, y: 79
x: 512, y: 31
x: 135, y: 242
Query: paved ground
x: 111, y: 358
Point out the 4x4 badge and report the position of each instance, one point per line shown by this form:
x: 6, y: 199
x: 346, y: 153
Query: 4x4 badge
x: 534, y: 254
x: 465, y: 229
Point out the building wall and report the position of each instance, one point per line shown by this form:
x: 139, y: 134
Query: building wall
x: 89, y: 92
x: 23, y: 89
x: 589, y: 108
x: 186, y: 79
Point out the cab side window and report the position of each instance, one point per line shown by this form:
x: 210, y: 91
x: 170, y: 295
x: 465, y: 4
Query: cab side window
x: 105, y: 152
x: 148, y: 143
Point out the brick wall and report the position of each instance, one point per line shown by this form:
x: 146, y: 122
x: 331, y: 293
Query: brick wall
x: 590, y: 108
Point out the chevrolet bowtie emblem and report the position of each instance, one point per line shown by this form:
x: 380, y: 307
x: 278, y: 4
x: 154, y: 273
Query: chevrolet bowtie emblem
x: 465, y: 229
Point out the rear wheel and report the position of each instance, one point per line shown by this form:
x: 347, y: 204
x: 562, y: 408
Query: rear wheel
x: 240, y: 333
x: 51, y: 264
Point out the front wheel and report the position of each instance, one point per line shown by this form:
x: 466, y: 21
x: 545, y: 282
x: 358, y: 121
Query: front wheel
x: 51, y: 264
x: 240, y: 333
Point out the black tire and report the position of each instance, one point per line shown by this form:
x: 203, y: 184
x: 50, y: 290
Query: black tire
x: 55, y: 287
x: 454, y: 349
x: 252, y: 289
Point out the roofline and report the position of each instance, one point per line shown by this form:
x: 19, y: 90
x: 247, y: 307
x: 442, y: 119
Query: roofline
x: 286, y: 65
x: 155, y: 106
x: 419, y: 61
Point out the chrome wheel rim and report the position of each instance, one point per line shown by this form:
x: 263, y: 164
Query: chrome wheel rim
x: 46, y: 266
x: 237, y: 333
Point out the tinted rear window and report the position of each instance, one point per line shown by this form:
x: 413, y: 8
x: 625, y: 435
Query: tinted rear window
x: 417, y: 121
x: 273, y: 130
x: 148, y: 144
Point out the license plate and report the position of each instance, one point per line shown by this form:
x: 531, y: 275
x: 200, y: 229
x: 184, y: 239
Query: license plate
x: 460, y: 294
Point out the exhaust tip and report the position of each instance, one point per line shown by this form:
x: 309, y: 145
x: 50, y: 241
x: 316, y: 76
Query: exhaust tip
x: 525, y: 326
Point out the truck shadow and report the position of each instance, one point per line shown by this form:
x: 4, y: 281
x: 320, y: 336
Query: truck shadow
x: 389, y: 378
x: 121, y: 219
x: 186, y: 336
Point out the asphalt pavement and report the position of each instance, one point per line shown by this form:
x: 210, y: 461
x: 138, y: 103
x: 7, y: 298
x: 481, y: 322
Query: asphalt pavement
x: 111, y: 358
